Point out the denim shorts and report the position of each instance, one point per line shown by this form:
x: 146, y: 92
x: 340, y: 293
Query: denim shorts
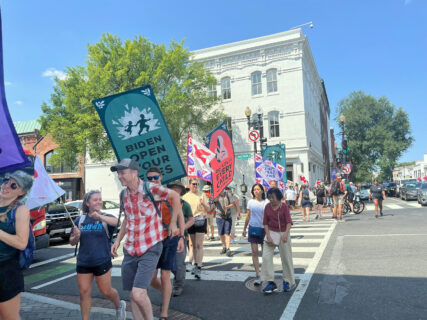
x: 167, y: 259
x: 137, y: 271
x: 224, y: 226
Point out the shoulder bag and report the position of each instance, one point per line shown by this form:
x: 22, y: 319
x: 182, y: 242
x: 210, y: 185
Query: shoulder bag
x: 275, y: 236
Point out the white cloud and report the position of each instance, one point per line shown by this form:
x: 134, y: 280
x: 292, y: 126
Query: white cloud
x: 54, y: 73
x: 407, y: 2
x: 7, y: 83
x: 18, y: 102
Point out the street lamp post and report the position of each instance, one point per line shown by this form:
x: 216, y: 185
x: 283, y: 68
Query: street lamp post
x: 342, y: 124
x: 257, y: 124
x: 244, y: 189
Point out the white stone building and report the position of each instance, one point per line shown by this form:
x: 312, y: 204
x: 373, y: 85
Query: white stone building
x: 276, y: 73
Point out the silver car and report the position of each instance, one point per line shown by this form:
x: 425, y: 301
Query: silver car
x: 364, y: 191
x: 422, y: 194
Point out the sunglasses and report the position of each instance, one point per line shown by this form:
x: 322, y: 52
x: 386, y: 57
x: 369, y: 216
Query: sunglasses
x: 13, y: 185
x: 153, y: 178
x: 195, y: 184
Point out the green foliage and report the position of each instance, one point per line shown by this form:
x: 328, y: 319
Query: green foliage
x: 179, y: 84
x: 378, y: 134
x: 404, y: 164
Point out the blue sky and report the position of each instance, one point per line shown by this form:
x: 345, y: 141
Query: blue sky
x: 379, y: 47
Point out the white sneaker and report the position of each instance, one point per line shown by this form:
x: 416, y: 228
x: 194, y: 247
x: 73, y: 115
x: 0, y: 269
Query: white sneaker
x: 188, y: 267
x: 121, y: 311
x: 257, y: 281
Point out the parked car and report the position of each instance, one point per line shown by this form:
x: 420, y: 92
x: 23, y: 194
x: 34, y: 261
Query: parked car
x: 364, y: 191
x: 401, y: 183
x: 390, y: 189
x: 408, y: 192
x: 58, y: 219
x: 422, y: 194
x: 110, y: 207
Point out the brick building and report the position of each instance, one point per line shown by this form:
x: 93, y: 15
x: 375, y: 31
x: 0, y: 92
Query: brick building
x: 71, y: 179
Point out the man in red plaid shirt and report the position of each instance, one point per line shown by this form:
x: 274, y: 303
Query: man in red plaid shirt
x: 144, y: 230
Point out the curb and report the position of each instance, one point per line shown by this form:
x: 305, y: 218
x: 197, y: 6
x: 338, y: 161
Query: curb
x: 69, y: 305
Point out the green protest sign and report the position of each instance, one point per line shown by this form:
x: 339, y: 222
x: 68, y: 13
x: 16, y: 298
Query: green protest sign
x: 137, y: 130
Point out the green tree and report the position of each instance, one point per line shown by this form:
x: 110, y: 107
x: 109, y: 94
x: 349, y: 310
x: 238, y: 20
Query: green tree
x: 378, y: 133
x: 114, y: 66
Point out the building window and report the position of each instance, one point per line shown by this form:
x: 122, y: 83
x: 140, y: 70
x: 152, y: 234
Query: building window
x: 273, y: 120
x: 302, y: 167
x: 61, y: 169
x: 271, y: 80
x: 225, y: 88
x: 256, y: 83
x: 212, y: 90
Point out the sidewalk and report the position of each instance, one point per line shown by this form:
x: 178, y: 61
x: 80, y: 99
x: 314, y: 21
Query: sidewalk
x: 53, y: 307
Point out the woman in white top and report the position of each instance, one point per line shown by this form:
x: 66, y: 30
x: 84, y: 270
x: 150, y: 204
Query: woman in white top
x: 254, y: 219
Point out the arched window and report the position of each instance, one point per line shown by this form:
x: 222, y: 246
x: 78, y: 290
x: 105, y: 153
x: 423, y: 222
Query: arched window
x: 273, y: 123
x: 271, y: 80
x: 256, y: 83
x: 63, y: 168
x: 225, y: 88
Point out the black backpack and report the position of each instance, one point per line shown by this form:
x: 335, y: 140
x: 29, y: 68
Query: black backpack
x: 335, y: 189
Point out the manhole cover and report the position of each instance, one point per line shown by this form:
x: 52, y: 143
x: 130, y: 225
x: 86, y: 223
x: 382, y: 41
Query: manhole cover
x: 251, y: 286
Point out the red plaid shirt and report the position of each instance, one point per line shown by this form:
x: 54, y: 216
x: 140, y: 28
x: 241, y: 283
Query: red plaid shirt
x: 144, y: 226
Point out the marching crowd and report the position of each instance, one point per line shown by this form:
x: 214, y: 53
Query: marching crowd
x: 160, y: 224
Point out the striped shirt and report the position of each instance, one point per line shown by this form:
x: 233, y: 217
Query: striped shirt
x: 144, y: 226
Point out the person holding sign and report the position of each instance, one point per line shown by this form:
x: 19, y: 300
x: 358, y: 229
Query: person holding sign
x: 197, y: 231
x: 93, y: 229
x: 277, y: 224
x: 222, y: 206
x: 171, y: 245
x: 143, y: 228
x: 14, y: 232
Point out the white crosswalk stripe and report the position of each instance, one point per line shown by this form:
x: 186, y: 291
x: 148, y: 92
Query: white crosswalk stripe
x: 306, y: 240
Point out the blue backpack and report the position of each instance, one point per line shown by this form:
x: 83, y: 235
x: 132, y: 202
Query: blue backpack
x: 26, y: 255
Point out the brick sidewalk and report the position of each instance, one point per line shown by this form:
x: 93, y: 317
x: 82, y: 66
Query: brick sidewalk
x: 53, y: 307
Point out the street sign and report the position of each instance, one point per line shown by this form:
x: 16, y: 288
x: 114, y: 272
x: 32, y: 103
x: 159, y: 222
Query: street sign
x: 346, y: 168
x: 244, y: 156
x: 254, y: 135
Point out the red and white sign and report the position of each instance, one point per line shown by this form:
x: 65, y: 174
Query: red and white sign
x: 254, y: 135
x: 346, y: 169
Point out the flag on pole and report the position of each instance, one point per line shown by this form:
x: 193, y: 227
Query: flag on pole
x: 199, y: 158
x: 267, y: 170
x: 12, y: 155
x: 44, y: 189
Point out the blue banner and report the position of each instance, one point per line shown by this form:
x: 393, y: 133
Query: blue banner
x: 12, y: 155
x: 137, y: 130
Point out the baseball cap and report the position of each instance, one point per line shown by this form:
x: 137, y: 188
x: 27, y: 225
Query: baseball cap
x: 126, y: 163
x: 24, y: 180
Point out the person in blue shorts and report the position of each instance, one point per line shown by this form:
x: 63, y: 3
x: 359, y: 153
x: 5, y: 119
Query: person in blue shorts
x: 222, y: 206
x: 254, y: 219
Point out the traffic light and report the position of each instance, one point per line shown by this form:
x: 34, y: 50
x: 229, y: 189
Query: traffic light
x: 345, y: 147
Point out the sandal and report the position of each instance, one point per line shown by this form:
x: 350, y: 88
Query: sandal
x: 163, y: 318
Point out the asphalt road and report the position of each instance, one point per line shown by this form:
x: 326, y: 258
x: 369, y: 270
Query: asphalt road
x: 365, y: 267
